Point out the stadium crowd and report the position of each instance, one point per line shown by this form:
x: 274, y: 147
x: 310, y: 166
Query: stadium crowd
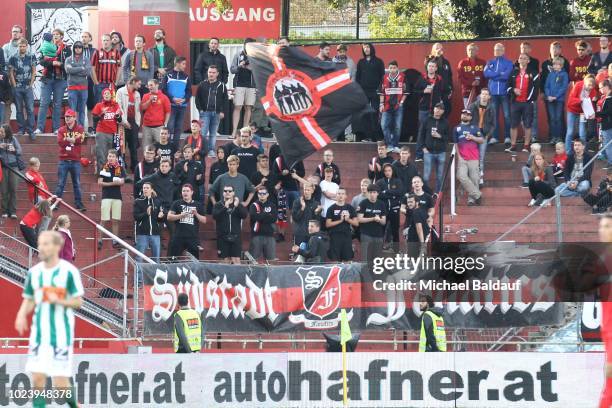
x: 136, y: 99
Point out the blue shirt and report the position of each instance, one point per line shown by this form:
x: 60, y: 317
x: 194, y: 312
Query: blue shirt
x: 22, y: 68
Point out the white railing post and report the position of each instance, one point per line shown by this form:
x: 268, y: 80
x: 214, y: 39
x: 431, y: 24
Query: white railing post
x: 125, y: 291
x: 453, y: 198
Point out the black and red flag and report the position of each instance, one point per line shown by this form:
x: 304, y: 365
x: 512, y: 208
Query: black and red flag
x: 309, y: 102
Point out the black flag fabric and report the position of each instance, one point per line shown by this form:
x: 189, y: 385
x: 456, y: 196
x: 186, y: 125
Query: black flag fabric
x: 309, y: 102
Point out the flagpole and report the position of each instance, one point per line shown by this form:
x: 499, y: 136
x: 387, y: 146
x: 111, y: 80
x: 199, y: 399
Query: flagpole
x: 345, y: 398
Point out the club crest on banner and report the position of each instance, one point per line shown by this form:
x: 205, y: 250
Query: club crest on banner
x: 321, y: 295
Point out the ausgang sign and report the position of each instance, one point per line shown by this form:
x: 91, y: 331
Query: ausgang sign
x: 247, y: 18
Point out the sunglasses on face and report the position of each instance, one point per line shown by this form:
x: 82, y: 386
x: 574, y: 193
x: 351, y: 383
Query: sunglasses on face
x: 262, y: 193
x: 228, y: 191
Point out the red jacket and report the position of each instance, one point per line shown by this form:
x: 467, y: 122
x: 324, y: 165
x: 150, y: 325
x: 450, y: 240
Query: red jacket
x: 32, y: 218
x: 574, y: 102
x: 68, y: 150
x: 155, y: 114
x: 578, y: 68
x: 38, y: 179
x: 469, y: 69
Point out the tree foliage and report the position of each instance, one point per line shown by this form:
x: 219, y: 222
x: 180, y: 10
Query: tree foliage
x: 409, y: 19
x: 596, y: 14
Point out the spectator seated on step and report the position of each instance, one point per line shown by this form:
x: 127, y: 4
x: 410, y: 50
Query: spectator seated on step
x: 559, y: 160
x: 541, y: 182
x: 578, y: 171
x: 601, y: 201
x: 535, y: 148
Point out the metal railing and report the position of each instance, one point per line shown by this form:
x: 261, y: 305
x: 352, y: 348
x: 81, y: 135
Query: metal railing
x: 439, y: 207
x: 557, y: 201
x: 96, y: 227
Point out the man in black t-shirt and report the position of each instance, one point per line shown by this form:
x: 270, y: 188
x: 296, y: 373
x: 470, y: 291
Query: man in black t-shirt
x: 339, y: 219
x: 263, y: 215
x: 187, y: 215
x: 372, y: 216
x: 165, y: 149
x: 419, y: 228
x: 111, y: 178
x: 247, y: 153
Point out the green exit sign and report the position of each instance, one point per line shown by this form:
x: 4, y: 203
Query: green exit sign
x: 151, y: 20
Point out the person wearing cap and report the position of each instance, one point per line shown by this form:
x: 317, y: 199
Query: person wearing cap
x: 53, y: 83
x: 187, y: 215
x: 78, y: 68
x: 196, y: 141
x: 372, y: 217
x: 109, y: 115
x: 434, y: 135
x: 70, y: 137
x: 341, y: 57
x: 468, y: 138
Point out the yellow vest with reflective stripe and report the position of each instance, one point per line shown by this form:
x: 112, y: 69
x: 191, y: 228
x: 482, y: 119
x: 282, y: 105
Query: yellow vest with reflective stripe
x: 193, y: 329
x: 438, y: 331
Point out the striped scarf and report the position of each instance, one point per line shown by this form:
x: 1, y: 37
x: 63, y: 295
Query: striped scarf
x: 144, y: 63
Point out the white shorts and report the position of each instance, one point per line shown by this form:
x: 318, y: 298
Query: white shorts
x: 110, y: 208
x: 244, y: 96
x: 49, y: 361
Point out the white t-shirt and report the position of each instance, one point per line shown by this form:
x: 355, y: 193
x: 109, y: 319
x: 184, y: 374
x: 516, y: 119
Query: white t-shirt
x: 327, y: 187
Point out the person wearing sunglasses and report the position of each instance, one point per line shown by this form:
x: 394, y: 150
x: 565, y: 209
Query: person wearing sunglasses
x: 263, y: 216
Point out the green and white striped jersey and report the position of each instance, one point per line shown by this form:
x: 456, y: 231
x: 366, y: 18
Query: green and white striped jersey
x: 52, y: 324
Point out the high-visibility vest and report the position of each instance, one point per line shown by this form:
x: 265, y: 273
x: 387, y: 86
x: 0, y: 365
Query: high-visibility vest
x: 438, y: 331
x: 193, y: 329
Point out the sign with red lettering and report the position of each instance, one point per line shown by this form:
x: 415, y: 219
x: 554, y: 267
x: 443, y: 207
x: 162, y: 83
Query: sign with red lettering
x: 246, y: 19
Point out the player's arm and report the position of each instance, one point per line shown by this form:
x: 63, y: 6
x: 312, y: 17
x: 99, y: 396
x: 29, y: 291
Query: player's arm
x: 73, y: 302
x: 21, y: 322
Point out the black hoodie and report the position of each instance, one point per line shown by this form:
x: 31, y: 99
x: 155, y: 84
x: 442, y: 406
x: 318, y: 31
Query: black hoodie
x: 431, y: 344
x: 147, y: 224
x: 370, y: 72
x: 228, y: 221
x: 165, y: 185
x: 318, y: 244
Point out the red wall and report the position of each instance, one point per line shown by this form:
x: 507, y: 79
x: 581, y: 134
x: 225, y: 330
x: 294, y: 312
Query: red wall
x: 129, y: 24
x: 412, y: 55
x: 11, y: 300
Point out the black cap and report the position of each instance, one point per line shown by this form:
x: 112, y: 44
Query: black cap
x: 373, y: 187
x: 469, y: 112
x: 439, y: 105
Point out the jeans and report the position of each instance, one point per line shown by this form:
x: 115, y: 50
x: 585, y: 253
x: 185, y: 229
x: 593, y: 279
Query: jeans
x: 429, y: 159
x: 482, y: 150
x: 55, y: 87
x: 423, y: 115
x: 527, y: 174
x: 468, y: 176
x: 210, y: 125
x: 143, y: 241
x: 292, y: 195
x: 24, y: 100
x: 534, y: 124
x: 10, y: 181
x: 569, y: 136
x: 175, y: 123
x: 391, y: 123
x: 581, y: 189
x: 74, y: 168
x: 555, y: 118
x: 496, y: 101
x: 131, y: 140
x: 606, y: 137
x: 78, y: 101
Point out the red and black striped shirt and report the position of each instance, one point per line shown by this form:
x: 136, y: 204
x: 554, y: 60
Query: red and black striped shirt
x: 106, y: 64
